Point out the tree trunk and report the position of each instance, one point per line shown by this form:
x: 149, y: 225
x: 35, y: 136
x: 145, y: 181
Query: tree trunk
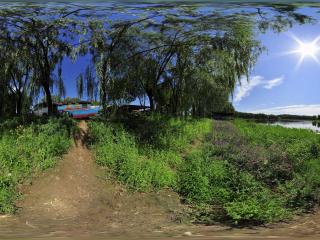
x: 49, y: 99
x: 151, y: 100
x: 104, y: 100
x: 193, y: 110
x: 1, y: 99
x: 1, y: 108
x: 19, y: 104
x: 104, y: 82
x: 104, y: 96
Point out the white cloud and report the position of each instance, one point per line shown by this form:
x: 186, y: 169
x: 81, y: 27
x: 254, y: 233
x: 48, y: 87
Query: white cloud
x: 273, y: 83
x: 244, y: 89
x: 310, y: 110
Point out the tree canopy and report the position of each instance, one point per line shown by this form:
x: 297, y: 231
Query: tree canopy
x: 182, y: 60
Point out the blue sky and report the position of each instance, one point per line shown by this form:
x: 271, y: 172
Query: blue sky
x: 276, y: 85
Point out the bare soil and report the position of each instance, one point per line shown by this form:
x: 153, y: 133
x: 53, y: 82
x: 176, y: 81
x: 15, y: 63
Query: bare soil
x: 73, y: 200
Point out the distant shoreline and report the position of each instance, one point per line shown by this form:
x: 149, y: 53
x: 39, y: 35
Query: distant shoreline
x: 266, y: 117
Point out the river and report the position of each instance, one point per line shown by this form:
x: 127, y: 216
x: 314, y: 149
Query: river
x: 301, y: 124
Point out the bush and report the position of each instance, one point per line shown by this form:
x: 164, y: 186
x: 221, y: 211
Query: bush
x: 142, y: 157
x: 299, y: 144
x: 193, y: 180
x: 244, y: 172
x: 117, y: 149
x: 292, y: 162
x: 204, y: 180
x: 24, y: 151
x: 166, y: 133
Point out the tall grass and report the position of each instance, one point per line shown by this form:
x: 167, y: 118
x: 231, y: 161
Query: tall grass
x: 240, y: 173
x: 298, y: 147
x: 25, y: 151
x: 221, y: 192
x: 252, y: 173
x: 142, y: 156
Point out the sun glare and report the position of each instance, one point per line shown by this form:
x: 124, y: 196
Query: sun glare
x: 306, y: 49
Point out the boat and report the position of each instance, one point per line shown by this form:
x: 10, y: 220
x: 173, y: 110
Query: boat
x: 76, y: 110
x: 81, y: 113
x: 79, y: 110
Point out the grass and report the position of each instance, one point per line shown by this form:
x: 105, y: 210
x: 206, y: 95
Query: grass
x: 241, y: 172
x: 222, y: 192
x: 237, y: 172
x: 294, y: 161
x: 27, y: 150
x: 145, y: 153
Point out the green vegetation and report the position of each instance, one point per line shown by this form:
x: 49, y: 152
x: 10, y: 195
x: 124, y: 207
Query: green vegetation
x: 271, y: 117
x: 147, y: 157
x: 223, y: 189
x: 27, y: 150
x: 184, y: 62
x: 243, y: 173
x: 293, y: 164
x: 255, y: 173
x: 180, y: 59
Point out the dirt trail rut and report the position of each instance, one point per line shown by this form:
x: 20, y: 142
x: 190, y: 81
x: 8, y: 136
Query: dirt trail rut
x: 66, y: 191
x: 73, y: 201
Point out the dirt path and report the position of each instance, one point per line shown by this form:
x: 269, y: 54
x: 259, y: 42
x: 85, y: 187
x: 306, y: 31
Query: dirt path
x: 73, y: 201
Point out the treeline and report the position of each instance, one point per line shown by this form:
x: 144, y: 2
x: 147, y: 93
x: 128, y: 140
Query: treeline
x: 272, y: 117
x: 180, y: 61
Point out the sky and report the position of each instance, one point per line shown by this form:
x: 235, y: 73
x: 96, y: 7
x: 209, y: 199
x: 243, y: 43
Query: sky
x: 277, y: 83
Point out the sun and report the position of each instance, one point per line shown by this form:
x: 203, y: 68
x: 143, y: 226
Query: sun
x: 305, y: 49
x: 308, y: 49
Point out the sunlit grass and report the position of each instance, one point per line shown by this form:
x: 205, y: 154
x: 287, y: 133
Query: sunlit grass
x: 27, y: 150
x: 148, y: 160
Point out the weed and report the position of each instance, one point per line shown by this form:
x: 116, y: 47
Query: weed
x: 25, y: 151
x: 142, y: 156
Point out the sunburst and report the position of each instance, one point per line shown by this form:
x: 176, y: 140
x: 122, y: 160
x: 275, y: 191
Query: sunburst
x: 305, y: 49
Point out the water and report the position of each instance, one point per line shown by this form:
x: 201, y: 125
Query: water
x: 299, y: 124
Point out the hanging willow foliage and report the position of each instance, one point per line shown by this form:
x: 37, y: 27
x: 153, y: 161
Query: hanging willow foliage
x: 80, y: 86
x: 181, y: 59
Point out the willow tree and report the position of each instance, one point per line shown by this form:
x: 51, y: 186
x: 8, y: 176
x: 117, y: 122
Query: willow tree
x: 87, y: 83
x: 202, y: 75
x: 170, y: 54
x: 182, y: 63
x: 16, y: 76
x: 19, y: 70
x: 110, y: 44
x: 80, y: 85
x: 48, y: 35
x: 3, y: 82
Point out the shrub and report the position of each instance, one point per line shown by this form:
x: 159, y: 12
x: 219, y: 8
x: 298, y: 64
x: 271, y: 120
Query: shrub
x: 244, y: 172
x: 117, y: 150
x: 193, y: 182
x: 24, y: 151
x: 292, y: 162
x: 142, y: 156
x: 206, y: 181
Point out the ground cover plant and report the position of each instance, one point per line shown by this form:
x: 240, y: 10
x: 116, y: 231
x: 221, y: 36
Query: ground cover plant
x: 294, y: 160
x: 145, y: 153
x: 240, y: 173
x: 253, y: 173
x: 220, y: 182
x: 25, y: 150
